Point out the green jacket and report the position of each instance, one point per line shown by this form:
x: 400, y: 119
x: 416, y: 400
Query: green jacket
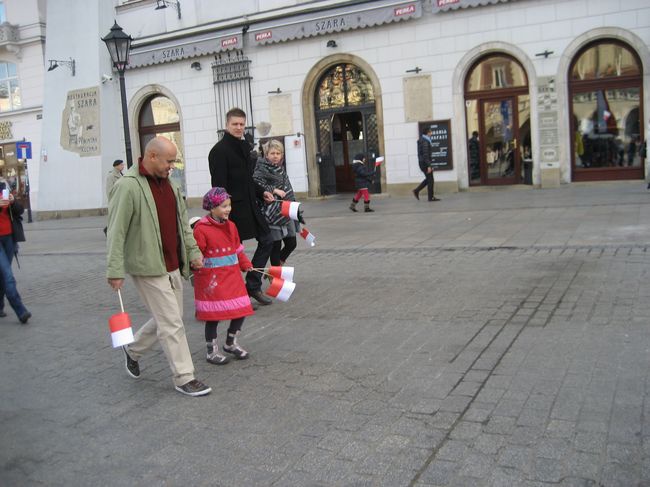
x: 134, y: 241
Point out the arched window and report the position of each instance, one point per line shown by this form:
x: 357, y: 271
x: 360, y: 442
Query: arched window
x: 344, y: 85
x: 9, y: 89
x: 159, y: 116
x: 496, y: 72
x: 605, y: 84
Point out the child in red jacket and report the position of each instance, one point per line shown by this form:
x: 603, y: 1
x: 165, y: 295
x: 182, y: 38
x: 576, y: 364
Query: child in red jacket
x: 219, y: 289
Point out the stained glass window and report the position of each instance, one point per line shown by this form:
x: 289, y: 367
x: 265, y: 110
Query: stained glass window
x: 344, y: 85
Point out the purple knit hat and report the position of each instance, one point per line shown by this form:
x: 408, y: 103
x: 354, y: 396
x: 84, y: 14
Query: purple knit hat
x: 214, y: 198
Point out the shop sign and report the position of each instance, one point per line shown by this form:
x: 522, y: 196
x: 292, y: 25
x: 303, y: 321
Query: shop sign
x: 442, y: 3
x: 230, y: 42
x: 547, y: 115
x: 329, y: 25
x: 172, y: 53
x: 5, y: 131
x: 263, y: 36
x: 80, y: 122
x: 409, y: 9
x: 441, y: 157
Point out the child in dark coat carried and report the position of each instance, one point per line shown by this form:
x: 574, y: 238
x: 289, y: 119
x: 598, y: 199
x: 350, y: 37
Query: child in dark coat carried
x: 362, y: 181
x: 219, y: 289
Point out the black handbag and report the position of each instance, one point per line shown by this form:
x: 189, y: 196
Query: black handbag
x: 16, y: 211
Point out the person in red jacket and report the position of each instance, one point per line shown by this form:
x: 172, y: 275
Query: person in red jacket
x: 11, y: 232
x: 219, y: 289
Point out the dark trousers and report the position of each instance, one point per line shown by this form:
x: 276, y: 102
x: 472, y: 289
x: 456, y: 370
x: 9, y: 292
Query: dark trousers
x: 7, y: 280
x: 280, y: 254
x: 428, y: 182
x: 259, y: 260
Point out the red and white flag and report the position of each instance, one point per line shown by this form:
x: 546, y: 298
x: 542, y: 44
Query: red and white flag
x: 290, y: 209
x: 281, y: 289
x: 308, y: 236
x: 282, y: 271
x: 121, y: 331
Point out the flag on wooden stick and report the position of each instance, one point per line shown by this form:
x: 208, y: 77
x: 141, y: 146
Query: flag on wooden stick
x: 290, y: 209
x: 308, y: 236
x: 120, y: 326
x: 283, y: 272
x: 281, y: 289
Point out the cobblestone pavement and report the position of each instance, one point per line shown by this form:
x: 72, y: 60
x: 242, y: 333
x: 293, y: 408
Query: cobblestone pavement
x: 494, y: 338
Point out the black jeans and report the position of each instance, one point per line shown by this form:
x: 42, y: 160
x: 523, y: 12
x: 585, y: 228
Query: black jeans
x: 259, y: 260
x: 280, y: 254
x: 428, y: 182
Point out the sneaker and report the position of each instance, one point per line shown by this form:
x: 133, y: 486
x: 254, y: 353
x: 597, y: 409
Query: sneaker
x: 2, y: 313
x: 132, y: 366
x: 236, y: 350
x: 213, y: 356
x: 194, y: 388
x: 25, y: 317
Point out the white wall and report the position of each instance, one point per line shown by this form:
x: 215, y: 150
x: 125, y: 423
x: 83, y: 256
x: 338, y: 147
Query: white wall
x: 436, y: 43
x: 26, y: 123
x: 66, y: 180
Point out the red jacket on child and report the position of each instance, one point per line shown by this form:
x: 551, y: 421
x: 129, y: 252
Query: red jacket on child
x: 219, y: 289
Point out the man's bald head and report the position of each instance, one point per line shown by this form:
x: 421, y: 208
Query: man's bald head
x: 159, y: 156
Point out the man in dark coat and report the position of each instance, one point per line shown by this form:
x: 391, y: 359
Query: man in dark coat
x: 232, y: 168
x: 424, y: 160
x: 474, y: 156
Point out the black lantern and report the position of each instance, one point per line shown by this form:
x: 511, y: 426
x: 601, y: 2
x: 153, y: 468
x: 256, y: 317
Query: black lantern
x: 119, y: 45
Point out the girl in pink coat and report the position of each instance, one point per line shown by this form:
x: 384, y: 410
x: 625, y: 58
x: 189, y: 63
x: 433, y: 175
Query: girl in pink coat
x: 219, y: 289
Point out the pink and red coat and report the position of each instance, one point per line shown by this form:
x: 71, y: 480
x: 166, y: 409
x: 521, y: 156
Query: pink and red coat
x: 219, y: 289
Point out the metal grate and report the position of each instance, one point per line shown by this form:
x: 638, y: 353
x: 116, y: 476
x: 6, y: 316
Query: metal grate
x: 371, y: 134
x: 324, y: 128
x: 232, y: 87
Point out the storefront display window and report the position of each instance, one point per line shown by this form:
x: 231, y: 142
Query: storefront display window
x: 13, y: 170
x: 159, y: 117
x: 606, y: 93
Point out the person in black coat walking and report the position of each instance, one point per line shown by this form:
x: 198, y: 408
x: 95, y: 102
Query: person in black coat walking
x: 232, y: 168
x: 363, y: 177
x: 424, y: 160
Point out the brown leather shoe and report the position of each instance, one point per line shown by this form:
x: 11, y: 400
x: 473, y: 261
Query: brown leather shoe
x: 417, y: 196
x: 260, y: 297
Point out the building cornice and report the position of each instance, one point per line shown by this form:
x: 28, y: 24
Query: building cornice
x: 243, y: 22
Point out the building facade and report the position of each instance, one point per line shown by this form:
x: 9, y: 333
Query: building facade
x: 22, y: 48
x: 538, y: 92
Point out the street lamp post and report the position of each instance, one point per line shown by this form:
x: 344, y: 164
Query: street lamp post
x: 119, y: 44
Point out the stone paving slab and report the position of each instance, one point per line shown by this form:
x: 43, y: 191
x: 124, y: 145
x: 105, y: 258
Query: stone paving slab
x: 496, y: 338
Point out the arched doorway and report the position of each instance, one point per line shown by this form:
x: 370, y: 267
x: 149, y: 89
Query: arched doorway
x: 497, y: 109
x: 159, y: 116
x: 605, y: 93
x: 346, y: 124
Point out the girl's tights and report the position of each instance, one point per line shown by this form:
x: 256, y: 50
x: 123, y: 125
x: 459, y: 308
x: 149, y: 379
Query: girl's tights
x: 211, y: 330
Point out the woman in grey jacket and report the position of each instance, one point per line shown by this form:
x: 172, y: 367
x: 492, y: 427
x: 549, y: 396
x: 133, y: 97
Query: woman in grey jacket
x: 272, y: 176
